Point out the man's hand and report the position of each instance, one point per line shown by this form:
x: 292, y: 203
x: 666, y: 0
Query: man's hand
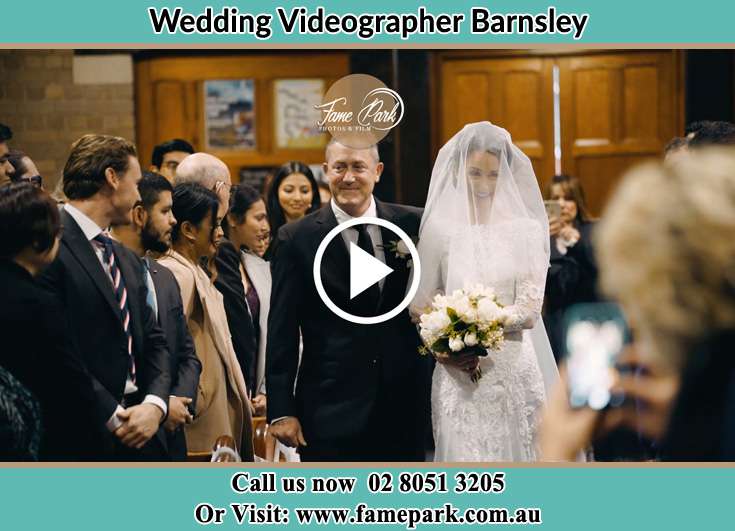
x: 140, y: 423
x: 259, y: 405
x: 465, y: 362
x: 288, y: 431
x: 178, y: 413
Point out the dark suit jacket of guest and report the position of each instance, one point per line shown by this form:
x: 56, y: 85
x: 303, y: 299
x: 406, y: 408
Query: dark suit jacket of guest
x: 185, y: 366
x: 37, y: 351
x: 229, y: 284
x: 346, y: 369
x: 78, y: 279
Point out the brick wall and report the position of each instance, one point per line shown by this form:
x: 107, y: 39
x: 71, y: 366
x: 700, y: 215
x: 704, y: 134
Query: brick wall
x: 47, y: 111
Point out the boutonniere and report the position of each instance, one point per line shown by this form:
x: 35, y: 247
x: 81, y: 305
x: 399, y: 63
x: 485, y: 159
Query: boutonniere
x: 399, y: 249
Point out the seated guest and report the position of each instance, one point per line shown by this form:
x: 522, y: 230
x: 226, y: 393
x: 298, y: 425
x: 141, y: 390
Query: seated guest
x: 100, y: 285
x: 24, y: 168
x: 572, y: 276
x: 223, y: 402
x: 6, y: 169
x: 293, y: 193
x: 147, y: 236
x: 244, y: 280
x: 168, y: 155
x: 675, y: 282
x: 36, y: 348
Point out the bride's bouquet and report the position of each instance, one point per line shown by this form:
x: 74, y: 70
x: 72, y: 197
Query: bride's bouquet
x: 469, y: 321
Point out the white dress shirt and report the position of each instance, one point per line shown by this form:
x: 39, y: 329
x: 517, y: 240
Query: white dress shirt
x: 91, y: 230
x: 350, y: 235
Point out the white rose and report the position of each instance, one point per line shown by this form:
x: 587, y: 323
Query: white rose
x: 402, y: 248
x: 435, y: 321
x: 455, y: 344
x: 470, y: 339
x: 464, y: 309
x: 487, y: 310
x: 427, y: 336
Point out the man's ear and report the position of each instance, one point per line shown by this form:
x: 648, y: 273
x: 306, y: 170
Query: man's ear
x: 140, y: 216
x: 111, y: 178
x: 379, y: 171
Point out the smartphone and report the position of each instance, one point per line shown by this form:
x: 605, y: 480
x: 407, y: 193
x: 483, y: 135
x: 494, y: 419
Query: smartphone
x: 594, y: 337
x: 553, y: 208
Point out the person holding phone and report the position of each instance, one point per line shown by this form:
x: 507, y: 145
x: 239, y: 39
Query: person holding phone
x: 572, y: 275
x: 675, y: 283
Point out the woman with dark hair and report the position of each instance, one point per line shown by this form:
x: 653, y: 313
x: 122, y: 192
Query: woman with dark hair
x: 223, y: 402
x: 244, y: 280
x: 572, y: 277
x: 35, y: 347
x: 293, y: 194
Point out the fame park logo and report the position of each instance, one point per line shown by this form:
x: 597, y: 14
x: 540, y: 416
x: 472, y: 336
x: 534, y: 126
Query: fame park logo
x: 359, y: 110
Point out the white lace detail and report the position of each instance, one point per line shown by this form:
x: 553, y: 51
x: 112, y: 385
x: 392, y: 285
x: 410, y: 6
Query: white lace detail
x: 495, y: 419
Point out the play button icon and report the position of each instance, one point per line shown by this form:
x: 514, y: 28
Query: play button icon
x: 365, y: 270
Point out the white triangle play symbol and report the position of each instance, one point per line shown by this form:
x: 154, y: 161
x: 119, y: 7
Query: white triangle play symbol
x: 365, y: 270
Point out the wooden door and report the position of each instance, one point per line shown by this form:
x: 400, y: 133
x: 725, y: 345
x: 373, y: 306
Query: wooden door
x: 617, y: 109
x: 170, y: 100
x: 514, y: 93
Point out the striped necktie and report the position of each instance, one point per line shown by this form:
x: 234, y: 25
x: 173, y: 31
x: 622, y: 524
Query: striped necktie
x: 121, y: 294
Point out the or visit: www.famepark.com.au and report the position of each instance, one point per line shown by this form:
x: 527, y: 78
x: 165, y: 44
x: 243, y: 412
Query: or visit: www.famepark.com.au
x: 410, y: 517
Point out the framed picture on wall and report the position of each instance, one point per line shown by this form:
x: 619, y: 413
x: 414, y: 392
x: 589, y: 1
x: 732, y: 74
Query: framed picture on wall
x: 295, y: 115
x: 229, y: 114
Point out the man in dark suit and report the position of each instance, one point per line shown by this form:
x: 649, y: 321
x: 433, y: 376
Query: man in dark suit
x: 100, y: 285
x: 361, y: 390
x: 150, y: 232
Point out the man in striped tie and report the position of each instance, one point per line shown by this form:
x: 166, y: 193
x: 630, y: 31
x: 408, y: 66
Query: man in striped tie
x: 100, y: 284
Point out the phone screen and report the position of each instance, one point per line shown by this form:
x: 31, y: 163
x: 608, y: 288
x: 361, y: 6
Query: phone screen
x: 595, y: 336
x: 553, y: 208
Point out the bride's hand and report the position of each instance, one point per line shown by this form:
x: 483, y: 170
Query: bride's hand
x: 465, y: 362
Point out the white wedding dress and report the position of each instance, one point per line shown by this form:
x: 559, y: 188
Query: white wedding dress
x: 495, y: 419
x: 485, y: 223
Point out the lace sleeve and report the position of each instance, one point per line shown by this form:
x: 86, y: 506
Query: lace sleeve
x: 530, y: 283
x: 524, y: 313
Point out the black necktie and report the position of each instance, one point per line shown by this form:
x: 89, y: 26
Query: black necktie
x: 368, y: 299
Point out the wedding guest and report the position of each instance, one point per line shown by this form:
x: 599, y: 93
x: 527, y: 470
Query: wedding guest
x: 6, y: 169
x: 244, y: 279
x: 168, y: 155
x: 713, y: 134
x: 572, y: 276
x: 674, y: 280
x: 100, y: 286
x: 24, y: 169
x: 293, y: 193
x: 148, y: 236
x: 223, y: 401
x: 36, y: 348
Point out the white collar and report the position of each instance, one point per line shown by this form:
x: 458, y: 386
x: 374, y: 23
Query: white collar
x: 343, y: 216
x: 90, y: 229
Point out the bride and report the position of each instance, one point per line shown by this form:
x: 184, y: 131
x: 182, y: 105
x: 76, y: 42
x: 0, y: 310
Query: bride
x: 485, y: 223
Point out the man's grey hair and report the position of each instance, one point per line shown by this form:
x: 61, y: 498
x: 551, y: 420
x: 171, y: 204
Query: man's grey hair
x: 373, y: 149
x: 204, y: 169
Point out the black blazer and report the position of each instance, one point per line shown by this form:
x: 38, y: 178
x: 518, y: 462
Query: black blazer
x: 78, y: 279
x: 244, y: 338
x: 37, y: 351
x: 345, y: 368
x: 185, y: 366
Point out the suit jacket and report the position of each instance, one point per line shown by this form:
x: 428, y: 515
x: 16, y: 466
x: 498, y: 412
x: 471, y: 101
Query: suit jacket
x: 185, y: 366
x: 79, y: 281
x: 38, y: 352
x: 222, y: 404
x: 345, y: 368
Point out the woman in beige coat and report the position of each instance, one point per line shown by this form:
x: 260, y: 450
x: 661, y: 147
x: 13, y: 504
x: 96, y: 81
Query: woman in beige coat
x: 223, y: 402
